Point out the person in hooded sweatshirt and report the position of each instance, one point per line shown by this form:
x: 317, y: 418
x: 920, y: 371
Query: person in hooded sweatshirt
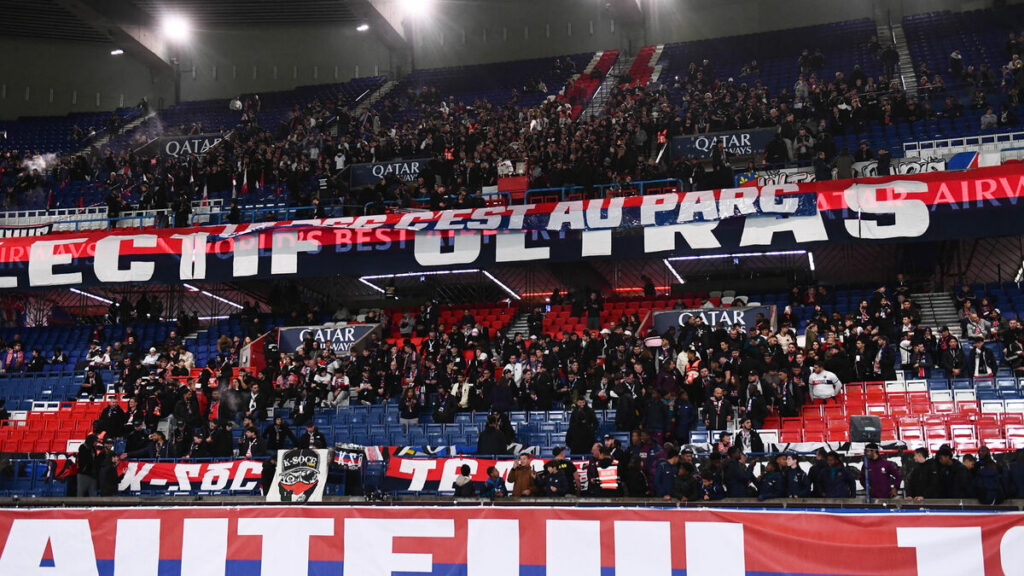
x: 686, y: 487
x: 464, y: 487
x: 836, y: 479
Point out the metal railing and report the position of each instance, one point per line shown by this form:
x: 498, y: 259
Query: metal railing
x: 918, y: 149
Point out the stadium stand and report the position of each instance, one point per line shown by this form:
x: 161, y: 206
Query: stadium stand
x: 440, y: 375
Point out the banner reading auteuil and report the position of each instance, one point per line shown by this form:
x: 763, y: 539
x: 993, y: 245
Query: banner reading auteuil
x: 505, y: 541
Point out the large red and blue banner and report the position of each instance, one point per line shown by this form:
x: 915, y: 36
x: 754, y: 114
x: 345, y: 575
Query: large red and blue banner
x: 504, y: 541
x: 920, y: 207
x: 433, y: 475
x: 227, y: 477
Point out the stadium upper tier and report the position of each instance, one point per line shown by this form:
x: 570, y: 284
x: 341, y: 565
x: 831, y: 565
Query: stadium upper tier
x: 824, y: 88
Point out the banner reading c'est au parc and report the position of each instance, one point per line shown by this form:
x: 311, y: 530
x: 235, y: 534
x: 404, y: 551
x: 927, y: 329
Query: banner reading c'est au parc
x: 922, y: 207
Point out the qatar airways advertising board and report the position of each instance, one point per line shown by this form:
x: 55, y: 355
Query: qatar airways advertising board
x: 504, y: 541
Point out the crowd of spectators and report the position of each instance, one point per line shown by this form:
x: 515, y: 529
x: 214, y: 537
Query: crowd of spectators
x: 728, y: 377
x: 645, y: 469
x: 305, y: 157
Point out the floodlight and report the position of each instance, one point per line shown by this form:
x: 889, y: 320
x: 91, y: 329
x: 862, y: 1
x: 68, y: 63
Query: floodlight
x: 417, y: 8
x: 116, y: 52
x: 176, y: 28
x: 363, y: 27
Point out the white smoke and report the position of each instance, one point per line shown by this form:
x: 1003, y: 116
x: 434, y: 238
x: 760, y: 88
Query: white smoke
x: 40, y: 162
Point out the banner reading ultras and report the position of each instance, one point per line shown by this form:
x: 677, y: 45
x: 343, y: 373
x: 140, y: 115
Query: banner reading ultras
x: 322, y: 540
x: 934, y: 206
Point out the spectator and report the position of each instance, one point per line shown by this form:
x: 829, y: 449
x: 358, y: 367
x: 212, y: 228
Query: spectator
x: 312, y: 439
x: 278, y: 436
x: 737, y: 476
x: 552, y: 482
x: 582, y: 425
x: 824, y: 385
x: 844, y: 165
x: 494, y: 486
x: 88, y: 468
x: 797, y: 482
x: 989, y: 120
x: 981, y: 363
x: 771, y: 484
x: 836, y: 479
x: 522, y: 477
x: 952, y: 480
x: 665, y: 472
x: 717, y: 411
x: 686, y: 487
x: 990, y: 479
x: 883, y: 477
x: 747, y: 438
x: 491, y: 441
x: 250, y: 445
x: 884, y: 162
x: 953, y: 361
x: 464, y: 487
x: 921, y: 479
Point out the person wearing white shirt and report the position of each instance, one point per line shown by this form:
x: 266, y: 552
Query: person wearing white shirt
x: 516, y: 368
x: 151, y: 358
x: 824, y: 384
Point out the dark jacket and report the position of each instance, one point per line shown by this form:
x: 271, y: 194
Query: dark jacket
x: 771, y: 485
x: 953, y: 481
x: 87, y: 464
x: 465, y: 487
x: 686, y: 488
x: 554, y: 484
x: 582, y: 426
x: 106, y: 471
x: 664, y: 477
x: 921, y: 479
x: 990, y: 482
x: 987, y: 357
x: 491, y: 442
x: 838, y: 482
x: 798, y: 483
x: 276, y: 437
x: 255, y: 446
x: 314, y: 440
x: 737, y: 478
x: 686, y: 421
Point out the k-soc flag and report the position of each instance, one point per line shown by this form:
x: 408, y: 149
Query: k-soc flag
x: 341, y: 339
x: 370, y: 173
x: 744, y: 316
x: 300, y: 477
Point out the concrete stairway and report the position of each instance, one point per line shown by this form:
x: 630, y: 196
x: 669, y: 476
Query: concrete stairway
x: 938, y: 309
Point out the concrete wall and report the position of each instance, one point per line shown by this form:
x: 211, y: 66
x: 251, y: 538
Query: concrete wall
x: 223, y: 63
x: 46, y: 78
x: 214, y: 64
x: 465, y: 33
